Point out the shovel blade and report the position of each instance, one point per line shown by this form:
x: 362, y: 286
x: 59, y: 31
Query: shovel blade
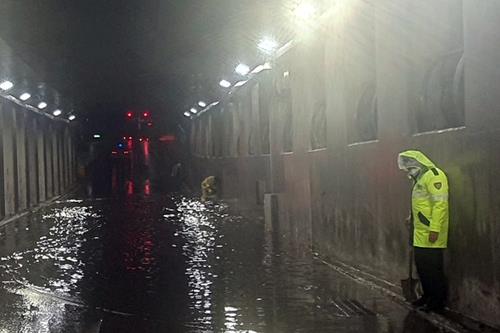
x: 410, y: 289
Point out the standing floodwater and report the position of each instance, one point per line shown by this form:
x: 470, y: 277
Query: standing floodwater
x: 127, y: 257
x: 173, y: 264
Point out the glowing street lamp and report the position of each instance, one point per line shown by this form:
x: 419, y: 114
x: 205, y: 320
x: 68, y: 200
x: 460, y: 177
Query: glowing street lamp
x: 72, y: 117
x: 202, y: 104
x: 242, y: 69
x: 225, y: 84
x: 6, y: 85
x: 268, y: 45
x: 57, y: 113
x: 42, y: 105
x: 25, y: 96
x: 193, y: 110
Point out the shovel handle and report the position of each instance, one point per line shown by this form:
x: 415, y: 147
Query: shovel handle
x: 410, y: 262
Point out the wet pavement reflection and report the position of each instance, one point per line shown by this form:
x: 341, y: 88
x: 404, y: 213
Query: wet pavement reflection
x: 173, y: 264
x: 139, y: 260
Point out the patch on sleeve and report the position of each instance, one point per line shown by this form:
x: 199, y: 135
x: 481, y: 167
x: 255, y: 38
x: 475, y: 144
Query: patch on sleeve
x: 438, y: 185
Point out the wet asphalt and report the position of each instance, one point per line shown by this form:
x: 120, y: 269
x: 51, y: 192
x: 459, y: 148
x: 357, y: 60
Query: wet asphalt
x: 130, y: 257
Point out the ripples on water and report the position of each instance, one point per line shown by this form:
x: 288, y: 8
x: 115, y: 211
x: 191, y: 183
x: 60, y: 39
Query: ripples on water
x: 54, y: 262
x: 179, y: 261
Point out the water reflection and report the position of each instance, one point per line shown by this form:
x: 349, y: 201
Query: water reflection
x: 162, y: 264
x: 198, y: 231
x: 54, y: 263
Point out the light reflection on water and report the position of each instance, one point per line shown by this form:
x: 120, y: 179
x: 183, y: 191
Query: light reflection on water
x: 192, y: 264
x: 199, y: 234
x: 53, y: 264
x: 199, y: 225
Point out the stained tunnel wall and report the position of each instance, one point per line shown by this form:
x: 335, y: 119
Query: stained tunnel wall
x: 376, y: 78
x: 37, y: 159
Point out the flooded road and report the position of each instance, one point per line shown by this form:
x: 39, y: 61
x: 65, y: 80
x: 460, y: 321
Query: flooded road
x: 141, y: 260
x: 173, y: 264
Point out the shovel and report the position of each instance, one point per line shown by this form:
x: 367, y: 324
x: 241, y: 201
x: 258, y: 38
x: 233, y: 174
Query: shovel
x: 410, y: 285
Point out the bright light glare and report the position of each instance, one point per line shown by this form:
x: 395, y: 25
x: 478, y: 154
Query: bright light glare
x: 72, y: 117
x: 193, y: 110
x: 24, y: 97
x: 97, y: 136
x: 6, y: 85
x: 240, y: 83
x: 305, y: 11
x: 242, y: 69
x: 268, y: 45
x: 42, y: 105
x: 225, y: 84
x: 187, y: 114
x: 262, y: 67
x: 202, y: 104
x: 57, y: 112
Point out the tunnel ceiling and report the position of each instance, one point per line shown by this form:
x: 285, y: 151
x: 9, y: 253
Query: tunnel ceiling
x: 124, y: 53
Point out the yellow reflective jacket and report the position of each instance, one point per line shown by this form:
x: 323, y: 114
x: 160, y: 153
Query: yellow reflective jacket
x: 429, y: 203
x: 208, y: 188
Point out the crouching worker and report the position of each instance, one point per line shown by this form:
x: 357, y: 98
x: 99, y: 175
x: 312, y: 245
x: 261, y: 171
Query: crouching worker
x: 430, y: 226
x: 209, y: 189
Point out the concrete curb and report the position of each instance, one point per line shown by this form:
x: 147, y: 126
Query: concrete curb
x: 459, y: 323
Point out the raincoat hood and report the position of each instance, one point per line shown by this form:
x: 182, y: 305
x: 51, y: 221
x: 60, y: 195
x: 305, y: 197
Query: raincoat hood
x: 409, y: 158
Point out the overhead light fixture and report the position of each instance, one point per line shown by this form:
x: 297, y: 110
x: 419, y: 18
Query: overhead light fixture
x: 25, y: 97
x: 242, y: 69
x: 6, y: 85
x: 202, y: 104
x: 57, y: 112
x: 225, y: 84
x: 42, y: 105
x: 97, y: 136
x: 305, y: 10
x: 240, y: 83
x: 72, y: 117
x: 268, y: 45
x: 187, y: 114
x: 193, y: 110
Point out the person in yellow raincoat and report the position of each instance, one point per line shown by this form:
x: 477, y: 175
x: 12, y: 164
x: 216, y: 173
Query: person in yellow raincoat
x: 429, y: 212
x: 209, y: 189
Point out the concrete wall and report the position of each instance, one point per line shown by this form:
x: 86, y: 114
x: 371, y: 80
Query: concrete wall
x: 36, y: 159
x: 376, y: 78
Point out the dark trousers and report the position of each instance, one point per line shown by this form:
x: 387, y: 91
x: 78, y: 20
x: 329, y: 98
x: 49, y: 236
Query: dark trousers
x: 430, y: 270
